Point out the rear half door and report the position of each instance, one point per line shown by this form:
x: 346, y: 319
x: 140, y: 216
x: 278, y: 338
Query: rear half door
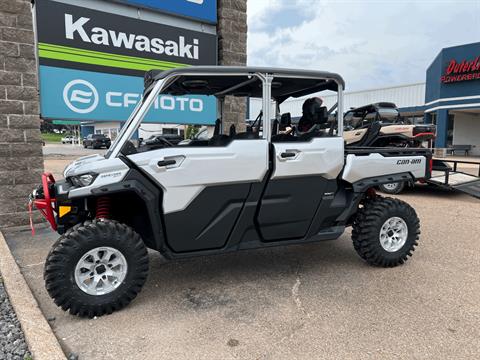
x: 204, y: 189
x: 303, y: 174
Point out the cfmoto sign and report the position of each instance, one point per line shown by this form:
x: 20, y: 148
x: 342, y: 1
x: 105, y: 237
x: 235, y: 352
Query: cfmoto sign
x: 80, y: 96
x: 89, y: 95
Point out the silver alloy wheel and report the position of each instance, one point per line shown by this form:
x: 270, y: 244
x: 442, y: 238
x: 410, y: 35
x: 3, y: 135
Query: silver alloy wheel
x: 101, y: 270
x: 391, y: 186
x: 393, y: 234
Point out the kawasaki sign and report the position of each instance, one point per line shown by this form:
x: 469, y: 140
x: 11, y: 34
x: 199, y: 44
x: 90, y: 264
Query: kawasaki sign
x: 81, y: 38
x: 96, y: 43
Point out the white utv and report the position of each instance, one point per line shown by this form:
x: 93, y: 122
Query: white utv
x: 230, y: 192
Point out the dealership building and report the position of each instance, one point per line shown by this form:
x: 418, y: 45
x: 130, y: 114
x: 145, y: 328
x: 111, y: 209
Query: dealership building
x: 449, y: 98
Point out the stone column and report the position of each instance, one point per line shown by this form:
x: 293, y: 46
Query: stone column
x: 21, y: 160
x: 232, y: 50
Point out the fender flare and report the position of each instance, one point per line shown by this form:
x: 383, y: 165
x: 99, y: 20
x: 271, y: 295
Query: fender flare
x: 152, y: 197
x: 363, y: 185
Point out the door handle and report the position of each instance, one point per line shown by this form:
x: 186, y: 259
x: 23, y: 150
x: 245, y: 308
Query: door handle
x: 166, y: 162
x: 287, y: 155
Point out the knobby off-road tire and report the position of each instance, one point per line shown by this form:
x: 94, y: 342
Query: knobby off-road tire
x: 380, y: 220
x: 392, y: 188
x: 80, y: 253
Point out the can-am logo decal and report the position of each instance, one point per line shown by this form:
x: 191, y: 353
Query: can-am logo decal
x: 409, y: 161
x: 461, y: 71
x: 74, y: 29
x: 80, y: 96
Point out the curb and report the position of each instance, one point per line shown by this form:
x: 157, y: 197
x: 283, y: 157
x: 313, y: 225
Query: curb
x: 39, y: 336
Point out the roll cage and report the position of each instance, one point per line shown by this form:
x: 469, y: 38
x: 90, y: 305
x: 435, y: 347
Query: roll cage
x: 220, y: 81
x: 370, y: 113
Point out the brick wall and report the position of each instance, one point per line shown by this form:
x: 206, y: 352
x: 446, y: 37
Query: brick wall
x: 232, y: 50
x: 21, y: 161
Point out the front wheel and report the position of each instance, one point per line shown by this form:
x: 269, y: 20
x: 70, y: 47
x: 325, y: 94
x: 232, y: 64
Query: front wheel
x: 385, y: 232
x: 96, y: 268
x: 392, y: 188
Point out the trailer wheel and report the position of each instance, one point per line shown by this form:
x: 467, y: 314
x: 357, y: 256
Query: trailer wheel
x: 392, y: 188
x: 385, y: 232
x: 96, y: 268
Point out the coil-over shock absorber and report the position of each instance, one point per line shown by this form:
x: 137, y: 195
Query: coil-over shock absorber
x: 103, y: 207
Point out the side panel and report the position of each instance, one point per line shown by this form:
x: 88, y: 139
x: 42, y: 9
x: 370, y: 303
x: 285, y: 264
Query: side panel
x: 353, y: 135
x: 242, y: 161
x: 207, y: 221
x: 367, y: 166
x: 288, y: 206
x: 320, y: 156
x: 204, y: 189
x: 303, y: 175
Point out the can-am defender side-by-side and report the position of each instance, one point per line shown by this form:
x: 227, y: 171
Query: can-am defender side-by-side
x: 394, y: 130
x: 226, y: 193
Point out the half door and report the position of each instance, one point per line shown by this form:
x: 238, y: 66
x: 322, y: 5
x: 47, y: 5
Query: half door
x: 204, y: 188
x: 304, y: 173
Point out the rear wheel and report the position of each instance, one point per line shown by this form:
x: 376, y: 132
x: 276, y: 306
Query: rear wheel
x: 96, y: 268
x: 392, y: 188
x: 385, y: 232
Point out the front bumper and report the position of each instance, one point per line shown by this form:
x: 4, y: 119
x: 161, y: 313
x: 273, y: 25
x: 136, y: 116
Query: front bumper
x: 43, y: 199
x: 51, y: 199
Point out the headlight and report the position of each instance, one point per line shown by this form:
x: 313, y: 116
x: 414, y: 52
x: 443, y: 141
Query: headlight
x: 83, y: 180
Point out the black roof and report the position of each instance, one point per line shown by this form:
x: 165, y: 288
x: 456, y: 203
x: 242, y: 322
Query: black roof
x: 286, y: 83
x: 374, y: 107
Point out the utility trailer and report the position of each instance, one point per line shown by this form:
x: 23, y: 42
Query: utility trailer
x: 447, y: 177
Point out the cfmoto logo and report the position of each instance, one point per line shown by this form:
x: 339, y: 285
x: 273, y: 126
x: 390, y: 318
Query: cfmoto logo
x: 80, y: 96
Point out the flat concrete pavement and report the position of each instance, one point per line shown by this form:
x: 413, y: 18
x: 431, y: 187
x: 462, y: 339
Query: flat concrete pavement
x: 58, y: 156
x: 299, y: 302
x: 68, y: 150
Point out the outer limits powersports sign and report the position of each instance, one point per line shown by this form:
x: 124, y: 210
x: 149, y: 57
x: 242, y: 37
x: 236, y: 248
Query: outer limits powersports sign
x: 91, y: 63
x: 461, y: 71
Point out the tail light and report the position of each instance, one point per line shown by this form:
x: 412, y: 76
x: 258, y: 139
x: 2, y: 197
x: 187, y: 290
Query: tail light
x: 424, y: 130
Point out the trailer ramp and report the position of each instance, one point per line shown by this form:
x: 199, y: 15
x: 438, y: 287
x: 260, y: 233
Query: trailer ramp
x: 456, y: 180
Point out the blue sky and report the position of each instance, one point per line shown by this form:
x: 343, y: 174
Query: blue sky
x: 370, y: 43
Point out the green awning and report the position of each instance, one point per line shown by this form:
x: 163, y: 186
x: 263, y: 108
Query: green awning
x: 66, y: 122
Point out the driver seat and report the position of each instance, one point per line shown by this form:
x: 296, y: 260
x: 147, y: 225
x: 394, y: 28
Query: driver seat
x: 218, y: 139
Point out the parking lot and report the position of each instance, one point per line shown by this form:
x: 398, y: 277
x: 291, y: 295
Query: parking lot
x: 298, y: 302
